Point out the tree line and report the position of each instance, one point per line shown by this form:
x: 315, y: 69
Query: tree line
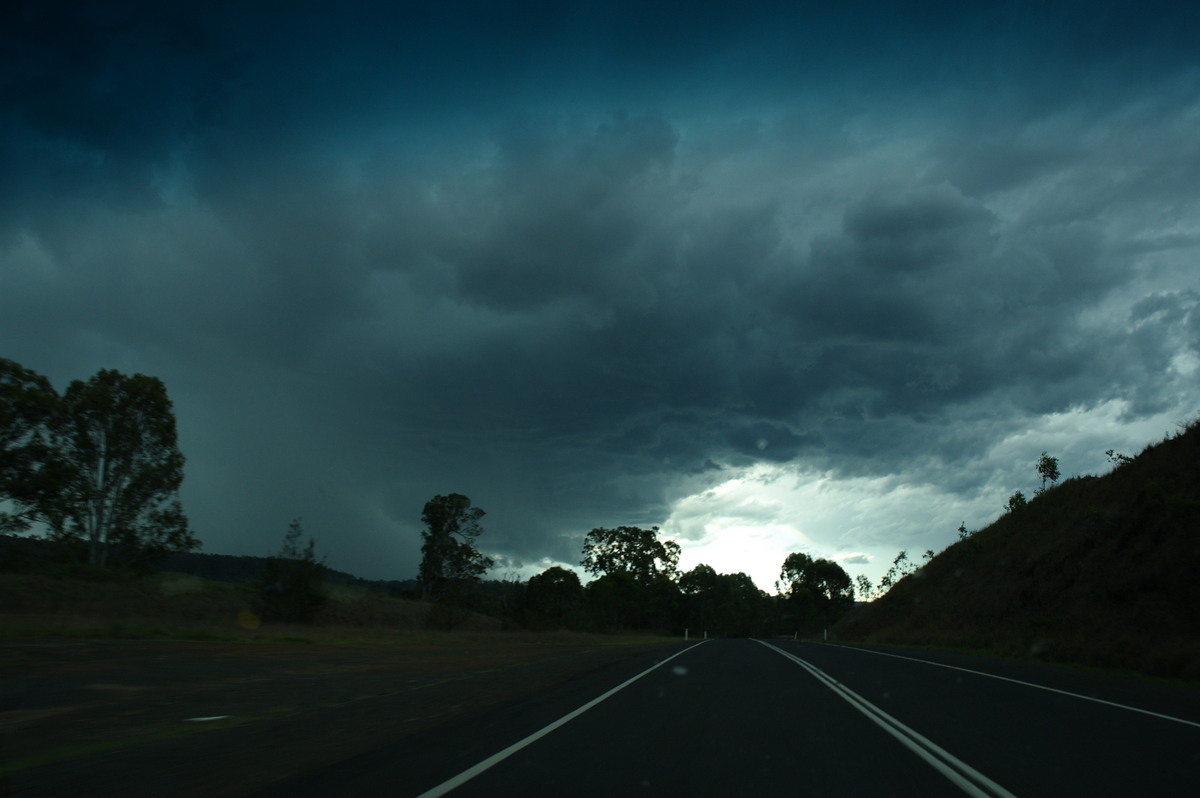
x: 637, y: 585
x: 97, y: 471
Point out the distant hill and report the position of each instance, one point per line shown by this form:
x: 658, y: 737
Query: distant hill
x: 243, y: 568
x: 215, y: 567
x: 1100, y: 571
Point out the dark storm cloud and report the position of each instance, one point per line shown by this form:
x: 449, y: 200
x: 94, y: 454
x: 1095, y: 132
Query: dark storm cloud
x: 563, y: 215
x: 577, y: 260
x: 95, y: 99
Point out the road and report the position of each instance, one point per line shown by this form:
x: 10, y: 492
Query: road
x: 734, y: 717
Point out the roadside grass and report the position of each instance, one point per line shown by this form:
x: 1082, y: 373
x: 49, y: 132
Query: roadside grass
x: 53, y: 608
x: 174, y: 731
x: 183, y: 607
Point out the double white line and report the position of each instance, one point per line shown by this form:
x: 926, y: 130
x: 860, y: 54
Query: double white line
x: 970, y: 780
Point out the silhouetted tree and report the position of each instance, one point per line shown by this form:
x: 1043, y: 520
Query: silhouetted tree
x: 738, y: 607
x: 292, y: 588
x: 28, y: 412
x: 118, y: 470
x: 615, y: 602
x: 636, y: 588
x: 699, y: 587
x: 816, y: 591
x: 865, y: 589
x: 698, y: 581
x: 553, y: 599
x: 1118, y: 458
x: 632, y: 550
x: 901, y: 567
x: 1047, y: 468
x: 450, y: 563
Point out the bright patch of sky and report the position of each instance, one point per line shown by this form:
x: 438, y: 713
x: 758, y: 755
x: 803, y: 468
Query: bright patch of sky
x: 751, y: 523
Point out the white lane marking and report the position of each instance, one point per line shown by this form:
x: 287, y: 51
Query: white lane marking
x: 1027, y: 684
x: 494, y: 759
x: 967, y: 778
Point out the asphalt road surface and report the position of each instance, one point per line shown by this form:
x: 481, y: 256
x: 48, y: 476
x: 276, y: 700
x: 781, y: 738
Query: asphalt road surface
x: 744, y: 717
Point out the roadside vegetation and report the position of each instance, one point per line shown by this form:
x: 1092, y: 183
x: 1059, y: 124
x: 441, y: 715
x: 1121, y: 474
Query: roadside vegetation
x: 176, y: 605
x: 1098, y: 571
x: 44, y: 591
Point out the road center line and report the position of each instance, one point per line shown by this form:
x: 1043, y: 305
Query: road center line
x: 967, y: 778
x: 1026, y: 684
x: 494, y: 759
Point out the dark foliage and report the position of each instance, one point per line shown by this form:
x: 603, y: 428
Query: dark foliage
x: 451, y: 565
x: 292, y: 587
x: 99, y: 464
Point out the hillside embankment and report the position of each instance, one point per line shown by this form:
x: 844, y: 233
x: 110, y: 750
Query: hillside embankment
x: 1098, y: 571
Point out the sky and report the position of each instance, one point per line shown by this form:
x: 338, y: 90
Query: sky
x: 775, y: 277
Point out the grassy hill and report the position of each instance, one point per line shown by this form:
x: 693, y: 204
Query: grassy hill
x: 1101, y: 571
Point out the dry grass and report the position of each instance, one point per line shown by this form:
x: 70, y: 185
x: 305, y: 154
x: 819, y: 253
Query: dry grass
x: 1098, y: 571
x: 186, y: 607
x: 178, y: 605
